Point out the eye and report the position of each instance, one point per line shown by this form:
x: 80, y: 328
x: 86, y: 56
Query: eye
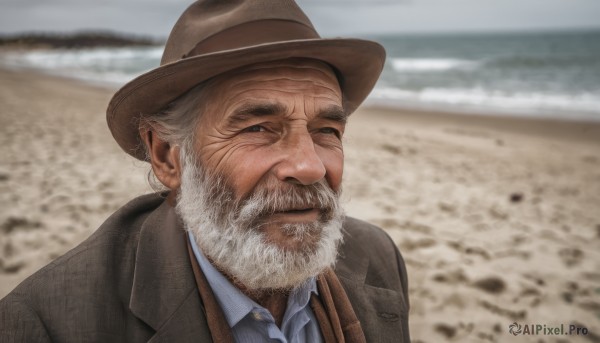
x: 329, y: 131
x: 255, y: 128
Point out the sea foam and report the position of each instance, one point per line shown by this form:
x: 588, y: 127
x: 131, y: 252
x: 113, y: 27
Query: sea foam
x: 430, y: 64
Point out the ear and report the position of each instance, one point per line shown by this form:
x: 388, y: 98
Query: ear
x: 164, y: 159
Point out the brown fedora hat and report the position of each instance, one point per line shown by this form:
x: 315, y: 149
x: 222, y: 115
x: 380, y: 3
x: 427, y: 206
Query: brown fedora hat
x: 212, y: 37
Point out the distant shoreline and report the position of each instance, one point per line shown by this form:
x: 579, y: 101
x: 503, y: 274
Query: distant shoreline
x: 76, y: 40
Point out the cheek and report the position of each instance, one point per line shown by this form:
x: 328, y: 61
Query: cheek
x: 247, y: 168
x: 243, y: 166
x: 333, y: 160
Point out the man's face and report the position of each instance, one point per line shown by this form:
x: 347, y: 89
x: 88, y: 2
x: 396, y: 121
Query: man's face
x: 260, y: 187
x: 277, y: 123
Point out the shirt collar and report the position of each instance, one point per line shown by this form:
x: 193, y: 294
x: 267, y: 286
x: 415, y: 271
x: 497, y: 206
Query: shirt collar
x: 235, y: 304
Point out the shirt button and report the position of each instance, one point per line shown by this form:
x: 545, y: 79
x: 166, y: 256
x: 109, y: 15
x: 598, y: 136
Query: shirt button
x: 257, y: 315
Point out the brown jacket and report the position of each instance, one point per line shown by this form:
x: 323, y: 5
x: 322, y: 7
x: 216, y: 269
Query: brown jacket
x: 132, y: 281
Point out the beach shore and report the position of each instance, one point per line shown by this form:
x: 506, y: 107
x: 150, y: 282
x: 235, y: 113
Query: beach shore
x: 497, y: 218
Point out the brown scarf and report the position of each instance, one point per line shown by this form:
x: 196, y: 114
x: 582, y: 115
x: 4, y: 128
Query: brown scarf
x: 331, y: 307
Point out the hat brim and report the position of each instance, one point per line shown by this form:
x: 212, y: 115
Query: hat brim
x: 357, y: 62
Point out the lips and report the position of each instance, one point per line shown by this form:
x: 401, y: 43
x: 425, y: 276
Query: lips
x: 303, y: 214
x: 298, y: 211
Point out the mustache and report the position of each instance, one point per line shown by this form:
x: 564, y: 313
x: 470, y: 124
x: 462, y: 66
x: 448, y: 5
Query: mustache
x: 268, y: 198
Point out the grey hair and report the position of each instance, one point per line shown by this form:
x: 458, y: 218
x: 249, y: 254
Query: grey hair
x: 176, y: 124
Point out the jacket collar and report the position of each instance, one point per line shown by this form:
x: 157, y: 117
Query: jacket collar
x: 352, y: 264
x: 378, y: 309
x: 164, y: 293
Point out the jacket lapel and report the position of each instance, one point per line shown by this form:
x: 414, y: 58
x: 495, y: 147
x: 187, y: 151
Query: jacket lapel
x: 378, y: 309
x: 164, y: 293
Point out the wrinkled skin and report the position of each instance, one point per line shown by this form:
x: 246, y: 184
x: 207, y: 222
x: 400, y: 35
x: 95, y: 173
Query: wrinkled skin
x: 276, y: 122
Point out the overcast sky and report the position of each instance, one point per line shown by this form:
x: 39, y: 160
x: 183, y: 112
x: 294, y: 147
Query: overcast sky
x: 331, y: 17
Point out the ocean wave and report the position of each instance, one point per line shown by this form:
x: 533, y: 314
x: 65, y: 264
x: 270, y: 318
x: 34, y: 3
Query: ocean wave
x: 584, y: 105
x: 537, y: 62
x: 112, y: 65
x: 430, y: 64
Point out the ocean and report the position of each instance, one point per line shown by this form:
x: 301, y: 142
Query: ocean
x: 552, y: 74
x: 526, y: 74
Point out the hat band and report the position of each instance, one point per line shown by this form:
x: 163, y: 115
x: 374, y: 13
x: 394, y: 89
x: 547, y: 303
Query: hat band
x: 253, y: 33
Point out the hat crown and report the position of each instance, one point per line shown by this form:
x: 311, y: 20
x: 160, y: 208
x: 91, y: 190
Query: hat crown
x: 206, y: 20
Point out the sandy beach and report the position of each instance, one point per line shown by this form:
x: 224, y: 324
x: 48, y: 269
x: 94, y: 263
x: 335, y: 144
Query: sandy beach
x: 497, y: 218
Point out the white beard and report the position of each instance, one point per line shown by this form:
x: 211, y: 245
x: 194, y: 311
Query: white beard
x: 228, y: 231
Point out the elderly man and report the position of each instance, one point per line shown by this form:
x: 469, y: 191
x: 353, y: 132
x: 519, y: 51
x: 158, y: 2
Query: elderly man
x: 243, y: 124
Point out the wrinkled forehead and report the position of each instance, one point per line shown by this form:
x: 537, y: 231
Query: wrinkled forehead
x: 296, y: 69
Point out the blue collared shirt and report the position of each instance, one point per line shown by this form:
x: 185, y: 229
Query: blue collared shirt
x: 250, y: 322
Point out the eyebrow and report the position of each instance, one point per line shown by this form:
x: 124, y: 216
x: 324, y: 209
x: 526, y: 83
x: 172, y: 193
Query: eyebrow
x: 334, y: 113
x: 252, y: 110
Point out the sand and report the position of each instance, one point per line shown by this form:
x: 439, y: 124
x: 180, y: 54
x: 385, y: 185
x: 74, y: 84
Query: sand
x: 497, y: 218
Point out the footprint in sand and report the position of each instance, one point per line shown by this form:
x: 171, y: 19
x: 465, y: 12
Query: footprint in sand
x: 454, y: 277
x: 453, y: 331
x: 410, y: 244
x: 18, y: 223
x: 490, y: 285
x: 571, y: 256
x: 504, y: 312
x: 584, y: 297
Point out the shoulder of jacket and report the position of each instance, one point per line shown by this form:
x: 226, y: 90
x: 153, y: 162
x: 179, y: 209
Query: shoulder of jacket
x: 118, y: 235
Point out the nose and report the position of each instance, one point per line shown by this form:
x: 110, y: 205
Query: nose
x: 301, y: 163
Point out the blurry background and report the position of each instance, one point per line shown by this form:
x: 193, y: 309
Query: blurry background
x: 478, y: 150
x: 332, y: 17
